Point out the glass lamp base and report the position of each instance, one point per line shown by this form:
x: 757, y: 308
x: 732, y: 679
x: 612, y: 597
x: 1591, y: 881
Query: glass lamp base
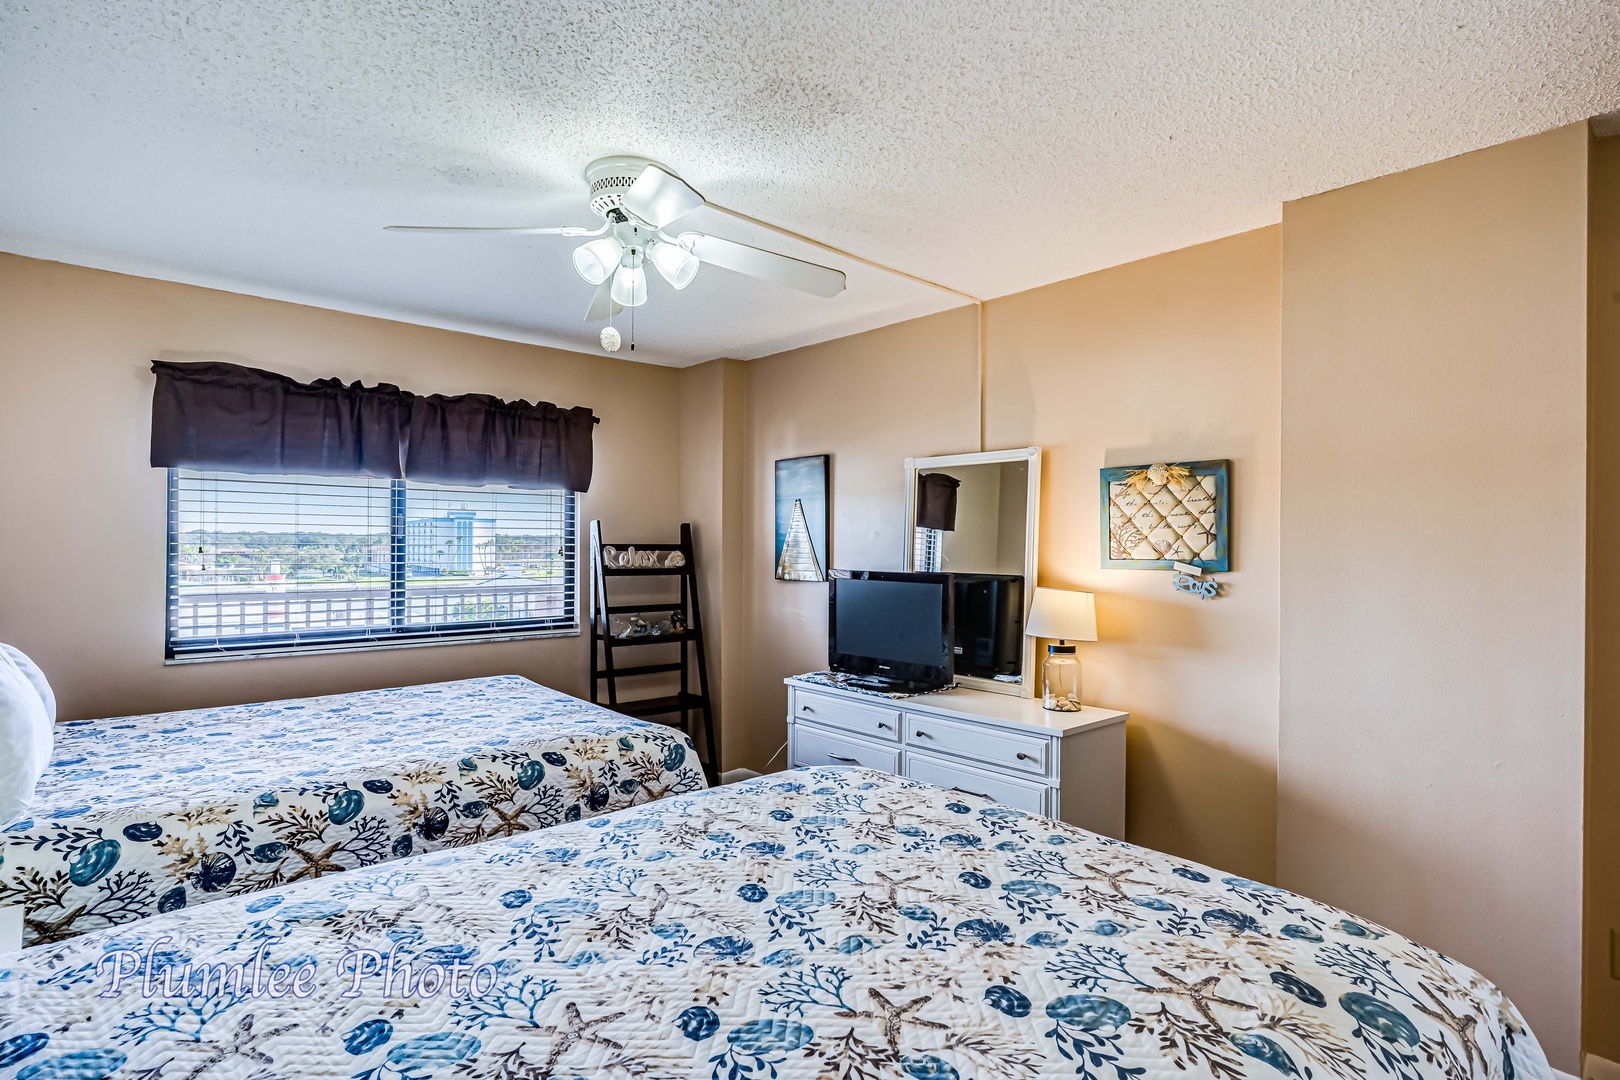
x: 1061, y: 675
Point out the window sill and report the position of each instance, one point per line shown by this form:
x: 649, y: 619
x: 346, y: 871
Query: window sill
x: 313, y: 649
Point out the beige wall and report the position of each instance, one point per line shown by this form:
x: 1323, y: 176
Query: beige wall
x: 1433, y: 586
x: 713, y: 463
x: 1012, y: 519
x: 1171, y: 357
x: 974, y: 546
x: 82, y: 529
x: 1601, y: 1005
x: 869, y: 401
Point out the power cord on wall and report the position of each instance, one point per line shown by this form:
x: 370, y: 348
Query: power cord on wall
x: 774, y: 756
x: 750, y: 774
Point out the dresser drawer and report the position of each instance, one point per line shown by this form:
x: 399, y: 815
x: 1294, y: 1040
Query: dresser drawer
x: 871, y: 721
x: 1006, y: 790
x: 821, y: 746
x: 989, y: 746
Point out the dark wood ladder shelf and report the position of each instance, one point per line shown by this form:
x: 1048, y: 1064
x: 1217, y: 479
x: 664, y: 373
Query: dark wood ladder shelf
x: 692, y: 666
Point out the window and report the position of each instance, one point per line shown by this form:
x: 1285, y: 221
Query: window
x: 277, y: 563
x: 927, y: 550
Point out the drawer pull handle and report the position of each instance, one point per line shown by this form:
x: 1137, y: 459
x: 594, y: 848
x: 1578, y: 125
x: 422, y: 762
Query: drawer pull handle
x: 1025, y: 757
x: 980, y: 794
x: 923, y: 735
x: 882, y: 726
x: 841, y: 757
x: 806, y: 708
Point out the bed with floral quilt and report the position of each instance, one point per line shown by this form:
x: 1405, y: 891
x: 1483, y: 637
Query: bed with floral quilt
x: 817, y: 923
x: 143, y: 815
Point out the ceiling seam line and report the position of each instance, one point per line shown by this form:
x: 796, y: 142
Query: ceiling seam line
x: 977, y: 302
x: 740, y: 216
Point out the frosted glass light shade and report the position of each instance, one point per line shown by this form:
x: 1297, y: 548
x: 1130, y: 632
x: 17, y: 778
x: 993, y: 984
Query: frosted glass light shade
x: 629, y: 286
x: 1062, y: 614
x: 675, y: 263
x: 596, y: 260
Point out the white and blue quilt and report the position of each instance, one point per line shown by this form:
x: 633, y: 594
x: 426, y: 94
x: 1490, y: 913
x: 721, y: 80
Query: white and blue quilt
x: 817, y: 923
x: 143, y: 815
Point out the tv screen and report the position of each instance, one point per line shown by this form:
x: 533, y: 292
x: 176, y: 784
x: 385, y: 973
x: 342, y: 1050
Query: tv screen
x: 891, y: 628
x: 989, y: 625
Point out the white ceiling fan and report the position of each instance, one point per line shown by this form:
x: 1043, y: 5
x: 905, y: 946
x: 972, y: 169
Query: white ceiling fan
x: 636, y: 200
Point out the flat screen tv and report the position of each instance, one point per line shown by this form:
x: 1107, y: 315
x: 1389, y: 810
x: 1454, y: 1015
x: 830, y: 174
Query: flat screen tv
x: 989, y: 625
x: 891, y: 631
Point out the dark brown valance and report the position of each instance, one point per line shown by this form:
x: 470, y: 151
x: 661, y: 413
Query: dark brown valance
x: 478, y: 439
x: 936, y: 501
x: 224, y: 416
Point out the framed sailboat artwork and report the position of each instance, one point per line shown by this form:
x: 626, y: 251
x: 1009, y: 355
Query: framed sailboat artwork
x: 801, y: 518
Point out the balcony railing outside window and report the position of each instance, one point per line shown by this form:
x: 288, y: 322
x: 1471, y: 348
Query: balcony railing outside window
x: 271, y: 563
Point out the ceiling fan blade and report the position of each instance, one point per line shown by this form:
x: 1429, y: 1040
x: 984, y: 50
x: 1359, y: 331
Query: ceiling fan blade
x: 602, y: 304
x: 766, y: 265
x: 658, y: 197
x: 532, y: 230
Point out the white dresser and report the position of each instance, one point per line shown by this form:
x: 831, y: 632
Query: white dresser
x: 1069, y: 766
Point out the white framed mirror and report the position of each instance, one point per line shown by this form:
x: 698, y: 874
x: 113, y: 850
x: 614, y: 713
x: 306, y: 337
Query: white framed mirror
x: 991, y: 503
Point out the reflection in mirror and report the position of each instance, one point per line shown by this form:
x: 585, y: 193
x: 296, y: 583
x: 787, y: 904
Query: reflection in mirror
x: 970, y: 516
x: 988, y: 537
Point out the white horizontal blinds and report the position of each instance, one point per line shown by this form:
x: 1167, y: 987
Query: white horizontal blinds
x: 488, y: 554
x: 252, y: 556
x: 268, y: 562
x: 927, y: 550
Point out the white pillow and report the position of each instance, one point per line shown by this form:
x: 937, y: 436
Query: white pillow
x: 25, y: 740
x: 35, y: 676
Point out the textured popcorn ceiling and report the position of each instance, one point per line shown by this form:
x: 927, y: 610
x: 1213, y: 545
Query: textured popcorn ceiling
x: 260, y: 145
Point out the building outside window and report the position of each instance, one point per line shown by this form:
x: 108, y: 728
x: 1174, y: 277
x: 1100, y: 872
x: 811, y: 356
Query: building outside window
x: 276, y: 563
x: 456, y: 542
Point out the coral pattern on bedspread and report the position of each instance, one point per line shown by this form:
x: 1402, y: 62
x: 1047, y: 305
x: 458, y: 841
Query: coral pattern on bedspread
x: 817, y: 923
x: 143, y: 815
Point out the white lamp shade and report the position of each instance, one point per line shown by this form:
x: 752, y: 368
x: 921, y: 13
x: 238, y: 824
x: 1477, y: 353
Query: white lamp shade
x: 675, y: 263
x: 1062, y: 615
x: 596, y: 260
x: 629, y: 286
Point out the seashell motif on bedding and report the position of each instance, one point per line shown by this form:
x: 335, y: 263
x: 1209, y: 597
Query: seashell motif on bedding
x: 813, y: 923
x: 144, y: 815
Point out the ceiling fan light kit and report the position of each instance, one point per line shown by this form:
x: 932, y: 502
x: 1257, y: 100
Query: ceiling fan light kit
x: 629, y: 281
x: 598, y: 259
x: 676, y: 265
x: 636, y: 199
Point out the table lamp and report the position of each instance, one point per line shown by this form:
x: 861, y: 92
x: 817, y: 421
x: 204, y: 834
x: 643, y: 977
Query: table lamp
x: 1065, y: 615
